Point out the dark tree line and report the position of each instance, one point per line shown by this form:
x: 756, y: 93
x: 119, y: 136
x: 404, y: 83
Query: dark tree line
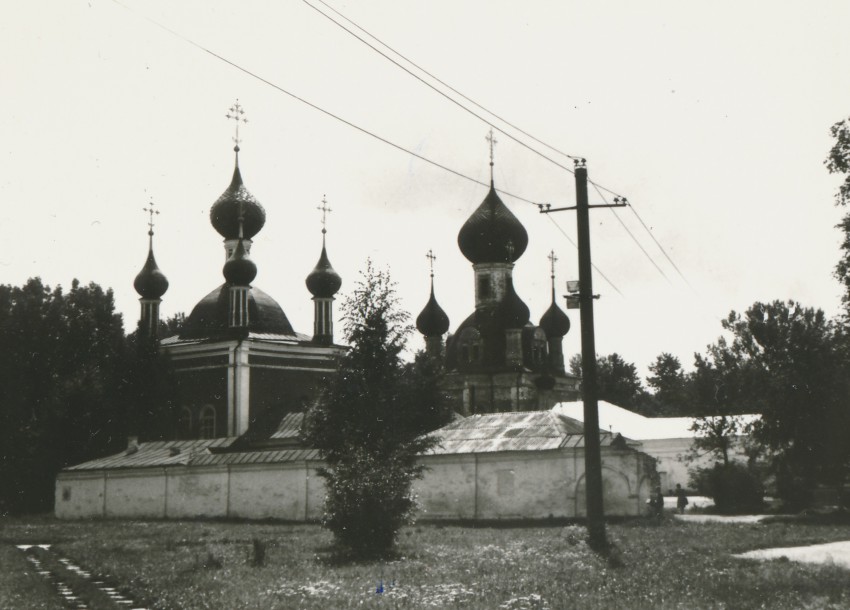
x: 72, y: 387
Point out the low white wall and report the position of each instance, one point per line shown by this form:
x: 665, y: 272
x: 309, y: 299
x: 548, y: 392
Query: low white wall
x: 509, y: 485
x: 130, y: 493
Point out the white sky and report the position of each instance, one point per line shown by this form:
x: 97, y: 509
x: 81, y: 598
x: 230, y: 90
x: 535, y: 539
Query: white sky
x: 712, y: 118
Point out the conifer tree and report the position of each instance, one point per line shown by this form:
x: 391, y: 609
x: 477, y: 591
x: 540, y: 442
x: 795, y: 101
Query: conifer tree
x: 366, y: 424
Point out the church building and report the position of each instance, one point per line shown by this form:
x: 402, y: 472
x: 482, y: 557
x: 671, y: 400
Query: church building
x: 239, y: 364
x: 497, y: 360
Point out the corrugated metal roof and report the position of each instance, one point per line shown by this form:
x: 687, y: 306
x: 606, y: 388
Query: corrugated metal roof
x: 192, y: 453
x: 289, y: 426
x: 498, y: 432
x: 157, y: 453
x: 524, y: 431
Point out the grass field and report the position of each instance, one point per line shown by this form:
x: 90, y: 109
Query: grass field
x: 188, y: 565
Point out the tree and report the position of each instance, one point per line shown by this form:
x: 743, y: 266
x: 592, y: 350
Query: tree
x: 59, y: 369
x: 367, y: 424
x: 790, y: 364
x: 669, y: 386
x: 838, y: 162
x: 617, y: 380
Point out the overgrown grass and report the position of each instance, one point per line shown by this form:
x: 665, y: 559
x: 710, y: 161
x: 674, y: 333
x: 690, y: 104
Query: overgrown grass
x: 193, y: 565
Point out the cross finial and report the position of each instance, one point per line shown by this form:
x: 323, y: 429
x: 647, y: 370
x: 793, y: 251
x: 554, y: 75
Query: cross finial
x: 151, y: 211
x: 431, y: 258
x: 552, y: 260
x: 236, y: 113
x: 325, y: 210
x: 493, y: 141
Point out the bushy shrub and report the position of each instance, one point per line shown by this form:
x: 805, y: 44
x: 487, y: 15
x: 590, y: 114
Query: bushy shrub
x: 732, y: 486
x: 369, y: 498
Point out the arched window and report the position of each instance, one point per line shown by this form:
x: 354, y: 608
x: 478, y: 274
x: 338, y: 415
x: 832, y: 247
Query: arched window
x: 207, y: 422
x: 184, y: 424
x: 538, y: 346
x: 470, y: 345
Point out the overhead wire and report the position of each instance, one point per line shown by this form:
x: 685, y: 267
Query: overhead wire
x: 490, y: 112
x: 320, y: 109
x: 427, y: 84
x: 445, y: 84
x: 634, y: 239
x: 345, y: 121
x: 595, y: 268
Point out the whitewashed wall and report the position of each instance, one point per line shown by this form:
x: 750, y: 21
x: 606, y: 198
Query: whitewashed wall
x: 509, y: 485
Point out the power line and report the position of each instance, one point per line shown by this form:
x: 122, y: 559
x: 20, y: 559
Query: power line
x: 319, y: 108
x: 436, y: 78
x: 634, y: 239
x: 596, y: 185
x: 570, y: 239
x: 427, y: 84
x: 350, y: 124
x: 660, y: 247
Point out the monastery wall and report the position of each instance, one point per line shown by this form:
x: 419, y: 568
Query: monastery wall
x: 508, y: 485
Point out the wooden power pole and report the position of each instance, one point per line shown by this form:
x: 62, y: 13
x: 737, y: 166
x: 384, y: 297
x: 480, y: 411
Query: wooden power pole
x: 592, y: 457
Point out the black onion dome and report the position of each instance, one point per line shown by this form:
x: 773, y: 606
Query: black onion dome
x: 150, y: 283
x: 487, y: 233
x: 323, y: 281
x: 555, y: 322
x: 209, y: 318
x: 512, y: 311
x: 239, y: 270
x: 432, y: 321
x: 224, y: 214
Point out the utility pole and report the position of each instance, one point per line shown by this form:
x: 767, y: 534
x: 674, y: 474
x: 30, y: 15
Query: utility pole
x: 592, y: 457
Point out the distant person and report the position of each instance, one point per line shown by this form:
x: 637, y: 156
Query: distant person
x: 681, y: 499
x: 656, y: 503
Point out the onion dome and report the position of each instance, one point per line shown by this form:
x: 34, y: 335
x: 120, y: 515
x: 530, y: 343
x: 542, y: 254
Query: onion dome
x: 239, y: 270
x: 554, y: 322
x: 432, y: 320
x: 512, y: 311
x: 209, y: 317
x: 492, y: 234
x: 323, y: 281
x: 150, y: 283
x: 236, y: 201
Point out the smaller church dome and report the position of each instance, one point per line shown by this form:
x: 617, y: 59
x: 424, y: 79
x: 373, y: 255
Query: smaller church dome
x: 492, y: 234
x: 236, y: 200
x: 323, y: 281
x: 512, y: 311
x: 150, y: 283
x: 239, y: 269
x: 555, y: 322
x: 432, y: 320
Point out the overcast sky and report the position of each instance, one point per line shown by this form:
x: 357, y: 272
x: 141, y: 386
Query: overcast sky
x: 712, y: 118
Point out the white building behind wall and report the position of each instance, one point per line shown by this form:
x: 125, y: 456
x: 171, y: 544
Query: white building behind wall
x: 667, y: 439
x: 527, y: 465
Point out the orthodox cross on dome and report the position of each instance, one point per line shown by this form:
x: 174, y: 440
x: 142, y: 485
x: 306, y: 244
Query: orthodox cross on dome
x: 552, y: 260
x: 431, y: 258
x: 237, y: 114
x: 492, y: 141
x: 325, y: 210
x: 151, y: 211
